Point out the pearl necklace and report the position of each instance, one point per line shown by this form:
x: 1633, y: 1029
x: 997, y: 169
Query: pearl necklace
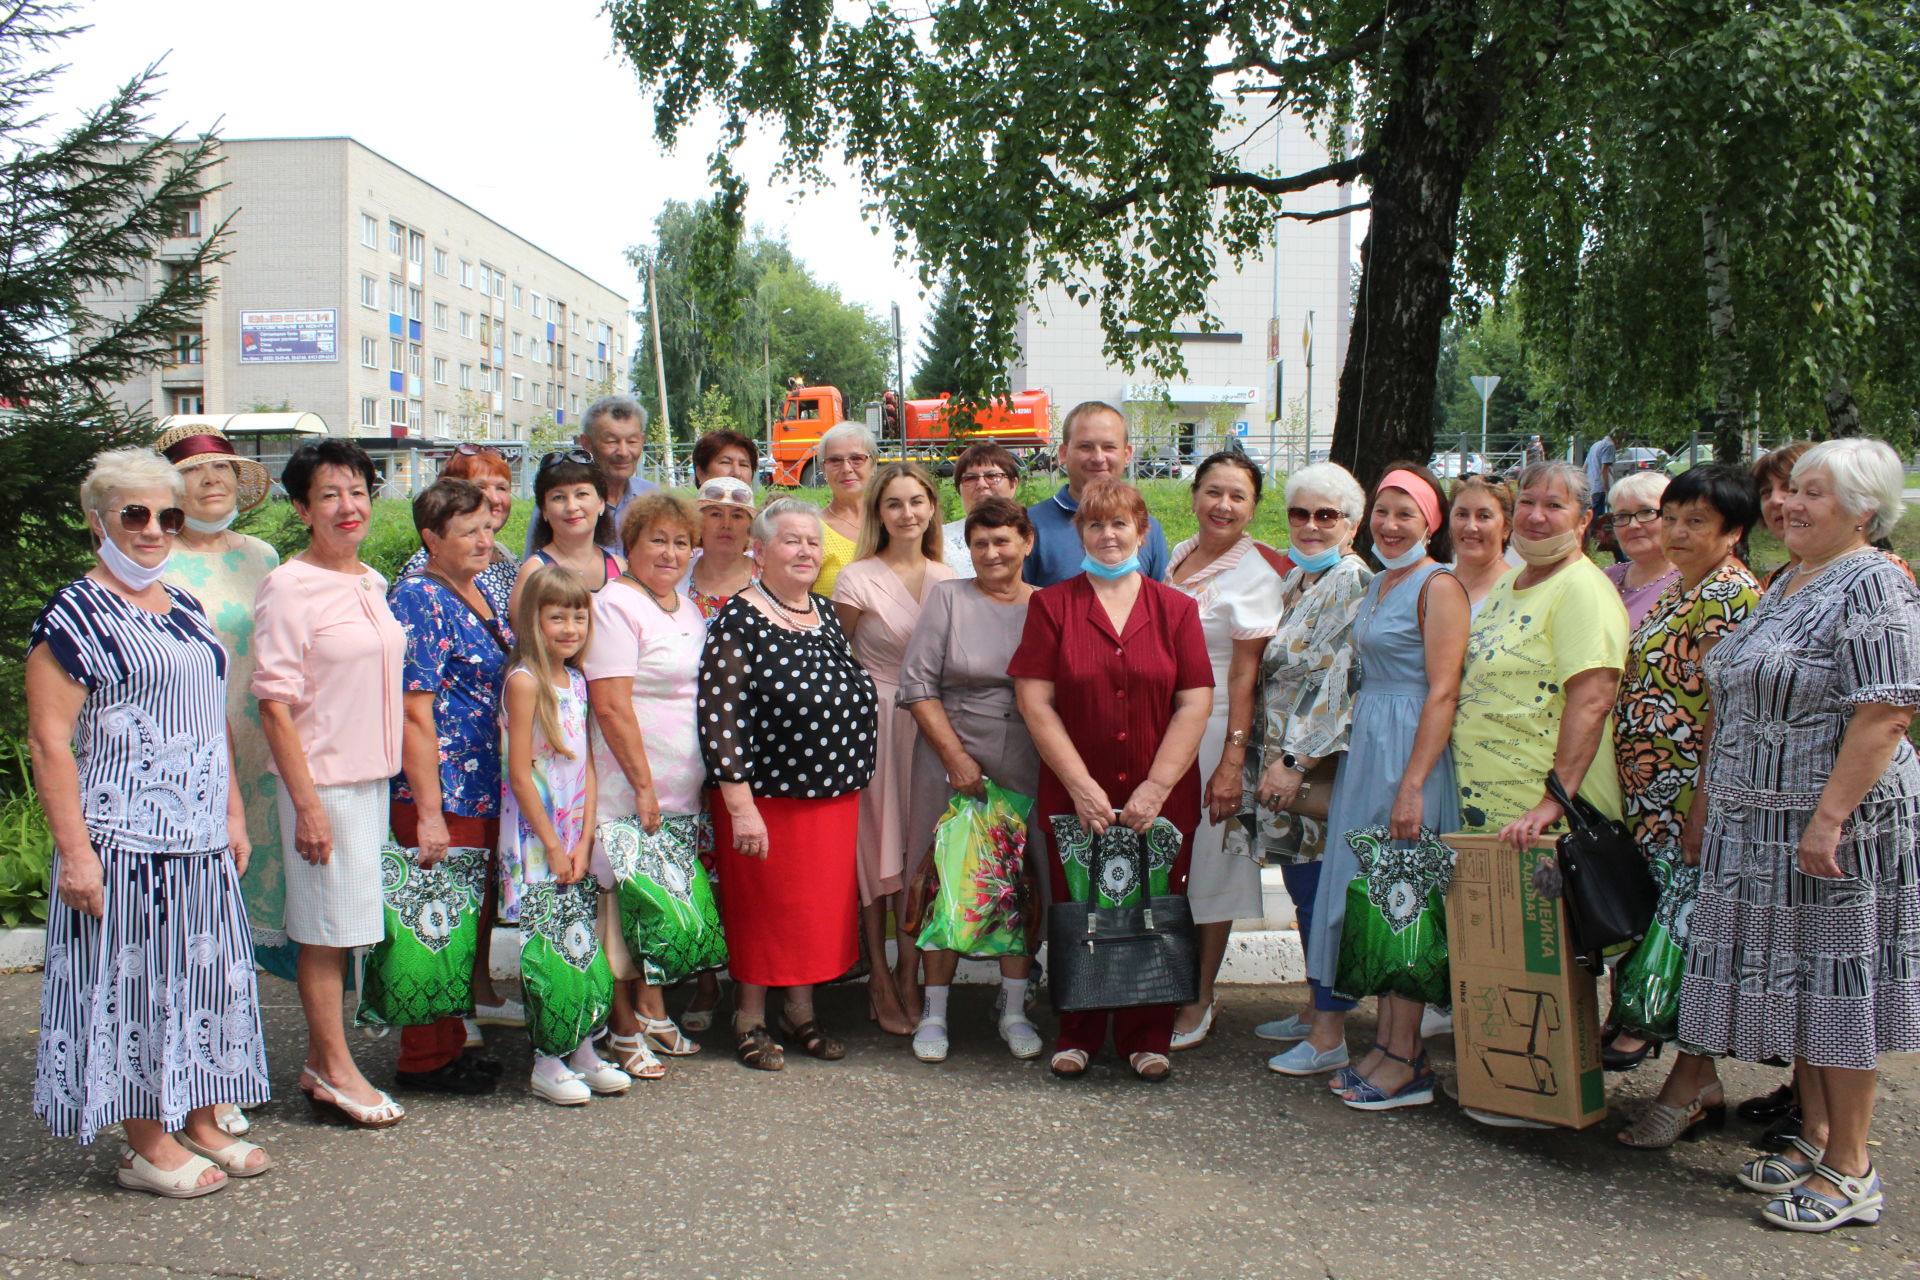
x: 789, y: 614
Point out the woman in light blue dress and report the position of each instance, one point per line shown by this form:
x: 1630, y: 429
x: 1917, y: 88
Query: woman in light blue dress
x: 1410, y: 635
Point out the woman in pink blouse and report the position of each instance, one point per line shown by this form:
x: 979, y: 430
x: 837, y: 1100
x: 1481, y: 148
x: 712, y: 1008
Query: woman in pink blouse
x: 328, y: 681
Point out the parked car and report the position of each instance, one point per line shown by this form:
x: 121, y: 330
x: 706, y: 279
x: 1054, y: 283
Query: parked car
x: 1640, y: 458
x: 1451, y: 466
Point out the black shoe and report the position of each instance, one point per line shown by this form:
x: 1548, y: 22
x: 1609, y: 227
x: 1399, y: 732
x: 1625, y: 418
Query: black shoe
x: 454, y: 1077
x: 1781, y: 1133
x: 1627, y: 1060
x: 485, y: 1064
x: 1768, y: 1107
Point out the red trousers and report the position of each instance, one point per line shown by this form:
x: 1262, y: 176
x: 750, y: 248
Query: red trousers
x: 1148, y: 1029
x: 433, y: 1046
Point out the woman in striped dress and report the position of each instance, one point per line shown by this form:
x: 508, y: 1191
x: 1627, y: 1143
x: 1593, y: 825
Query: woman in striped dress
x: 149, y: 1016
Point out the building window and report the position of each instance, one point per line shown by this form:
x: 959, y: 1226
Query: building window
x: 413, y: 415
x: 573, y: 365
x: 185, y: 220
x: 440, y: 316
x: 369, y: 410
x: 369, y: 231
x: 519, y: 342
x: 466, y: 324
x: 466, y: 274
x: 369, y: 292
x: 539, y: 307
x: 415, y: 358
x: 370, y: 353
x: 466, y: 377
x: 440, y: 370
x: 396, y: 297
x: 439, y: 261
x: 517, y: 385
x: 442, y: 422
x: 189, y: 402
x: 186, y: 347
x: 499, y: 285
x: 397, y: 412
x: 486, y: 278
x: 396, y: 239
x: 416, y: 247
x: 416, y: 300
x: 516, y: 298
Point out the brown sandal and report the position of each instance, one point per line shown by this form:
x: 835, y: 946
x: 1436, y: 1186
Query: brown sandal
x: 815, y: 1042
x: 758, y: 1049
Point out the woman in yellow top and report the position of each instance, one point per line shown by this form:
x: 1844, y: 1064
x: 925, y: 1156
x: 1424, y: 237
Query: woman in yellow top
x: 847, y: 454
x: 1543, y: 671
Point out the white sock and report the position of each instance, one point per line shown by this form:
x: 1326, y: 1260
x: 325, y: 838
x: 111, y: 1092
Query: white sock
x: 936, y: 1003
x: 1015, y: 991
x: 585, y: 1057
x: 550, y: 1067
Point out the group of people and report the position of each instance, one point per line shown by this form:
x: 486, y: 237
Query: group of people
x: 820, y: 685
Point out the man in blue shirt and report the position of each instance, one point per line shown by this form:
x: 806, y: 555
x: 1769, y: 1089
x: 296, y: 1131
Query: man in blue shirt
x: 614, y: 432
x: 1093, y: 446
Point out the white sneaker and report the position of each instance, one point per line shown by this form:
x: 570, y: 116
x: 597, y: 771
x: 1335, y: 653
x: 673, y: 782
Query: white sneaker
x: 508, y: 1013
x: 1436, y: 1022
x: 1021, y: 1037
x: 474, y: 1039
x: 567, y: 1090
x: 603, y: 1077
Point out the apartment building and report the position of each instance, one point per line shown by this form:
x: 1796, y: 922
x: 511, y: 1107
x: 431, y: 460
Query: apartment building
x: 1248, y: 380
x: 361, y: 292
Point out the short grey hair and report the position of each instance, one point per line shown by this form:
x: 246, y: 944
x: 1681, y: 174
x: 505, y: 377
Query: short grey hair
x: 620, y: 406
x: 1868, y: 479
x: 1638, y: 486
x: 1329, y: 480
x: 121, y: 470
x: 761, y: 530
x: 1570, y: 476
x: 851, y: 432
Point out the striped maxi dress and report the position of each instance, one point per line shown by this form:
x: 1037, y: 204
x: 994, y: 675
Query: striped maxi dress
x: 150, y: 1011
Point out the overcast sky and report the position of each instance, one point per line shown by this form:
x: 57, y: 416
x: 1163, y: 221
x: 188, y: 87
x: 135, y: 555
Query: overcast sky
x: 522, y: 110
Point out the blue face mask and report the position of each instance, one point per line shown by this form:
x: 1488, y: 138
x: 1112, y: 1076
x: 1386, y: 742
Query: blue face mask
x: 1412, y: 555
x: 1318, y: 563
x: 1111, y: 571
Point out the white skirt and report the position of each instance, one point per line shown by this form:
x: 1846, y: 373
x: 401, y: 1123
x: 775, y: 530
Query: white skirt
x: 337, y: 904
x: 1221, y: 886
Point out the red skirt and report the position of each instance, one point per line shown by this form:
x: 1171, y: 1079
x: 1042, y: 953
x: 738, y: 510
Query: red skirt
x: 792, y: 918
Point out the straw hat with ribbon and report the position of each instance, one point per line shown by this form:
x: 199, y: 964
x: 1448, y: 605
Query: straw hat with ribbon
x: 190, y: 444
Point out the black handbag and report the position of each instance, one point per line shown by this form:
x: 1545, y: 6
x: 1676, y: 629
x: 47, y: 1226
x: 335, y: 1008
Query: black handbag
x: 1609, y: 891
x: 1122, y: 957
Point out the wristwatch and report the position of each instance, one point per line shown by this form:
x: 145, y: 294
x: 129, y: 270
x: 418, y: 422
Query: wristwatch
x: 1289, y: 761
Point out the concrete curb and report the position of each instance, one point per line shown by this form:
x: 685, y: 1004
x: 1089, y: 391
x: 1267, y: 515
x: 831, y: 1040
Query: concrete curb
x: 1254, y: 956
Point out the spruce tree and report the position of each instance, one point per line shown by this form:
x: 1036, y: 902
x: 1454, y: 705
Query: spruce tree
x: 948, y: 334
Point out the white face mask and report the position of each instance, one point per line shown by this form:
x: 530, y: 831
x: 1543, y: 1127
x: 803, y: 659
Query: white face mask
x: 214, y: 526
x: 124, y: 567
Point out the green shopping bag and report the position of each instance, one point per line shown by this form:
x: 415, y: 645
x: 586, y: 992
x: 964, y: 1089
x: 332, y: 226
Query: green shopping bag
x: 1107, y: 860
x: 979, y: 853
x: 568, y: 986
x: 1395, y: 939
x: 668, y: 915
x: 422, y: 971
x: 1646, y: 987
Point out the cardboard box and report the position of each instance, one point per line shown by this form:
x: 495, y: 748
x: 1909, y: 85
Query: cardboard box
x: 1526, y: 1018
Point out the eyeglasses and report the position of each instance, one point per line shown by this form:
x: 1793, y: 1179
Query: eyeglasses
x: 135, y: 518
x: 566, y: 455
x: 1320, y: 515
x: 473, y: 450
x: 1646, y: 515
x: 985, y: 477
x: 855, y: 460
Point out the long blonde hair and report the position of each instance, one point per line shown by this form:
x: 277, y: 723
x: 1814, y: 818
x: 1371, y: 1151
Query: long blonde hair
x: 873, y: 530
x: 548, y: 586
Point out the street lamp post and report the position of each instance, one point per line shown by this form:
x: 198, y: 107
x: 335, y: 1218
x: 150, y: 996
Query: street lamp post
x: 1484, y: 383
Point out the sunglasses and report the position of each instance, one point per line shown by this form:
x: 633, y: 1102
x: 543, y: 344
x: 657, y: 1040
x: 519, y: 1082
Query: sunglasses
x: 1320, y: 515
x: 849, y: 460
x: 566, y: 455
x: 472, y: 450
x: 135, y: 518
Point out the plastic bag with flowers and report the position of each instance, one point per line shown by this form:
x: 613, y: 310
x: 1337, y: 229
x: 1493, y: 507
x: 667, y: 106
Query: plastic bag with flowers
x: 980, y: 907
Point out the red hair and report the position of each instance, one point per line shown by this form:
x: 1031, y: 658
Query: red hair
x: 471, y: 466
x: 1109, y: 499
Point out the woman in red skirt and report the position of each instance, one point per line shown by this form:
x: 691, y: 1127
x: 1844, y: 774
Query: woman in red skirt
x: 787, y: 730
x: 1113, y: 680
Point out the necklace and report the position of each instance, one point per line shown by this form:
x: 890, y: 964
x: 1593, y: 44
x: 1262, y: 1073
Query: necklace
x: 674, y: 596
x: 787, y: 612
x: 1810, y: 570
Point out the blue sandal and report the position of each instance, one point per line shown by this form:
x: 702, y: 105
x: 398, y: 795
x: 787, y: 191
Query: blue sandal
x: 1860, y: 1200
x: 1365, y: 1095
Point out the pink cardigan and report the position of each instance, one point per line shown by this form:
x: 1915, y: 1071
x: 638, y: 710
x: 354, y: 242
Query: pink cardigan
x: 328, y: 647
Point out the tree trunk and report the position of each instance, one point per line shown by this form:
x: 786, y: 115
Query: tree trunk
x: 1728, y: 412
x: 1440, y: 118
x: 1843, y: 415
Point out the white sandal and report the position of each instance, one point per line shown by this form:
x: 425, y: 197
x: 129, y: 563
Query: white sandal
x: 636, y: 1059
x: 930, y: 1043
x: 233, y: 1120
x: 1069, y: 1064
x: 232, y: 1158
x: 383, y: 1114
x: 664, y: 1036
x: 137, y: 1173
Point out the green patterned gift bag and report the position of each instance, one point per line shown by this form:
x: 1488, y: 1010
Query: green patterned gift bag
x: 1646, y: 987
x: 1395, y: 939
x: 422, y: 970
x: 979, y: 852
x: 568, y: 986
x: 1107, y: 860
x: 668, y: 915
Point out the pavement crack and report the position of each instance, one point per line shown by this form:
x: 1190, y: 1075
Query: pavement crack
x: 88, y: 1261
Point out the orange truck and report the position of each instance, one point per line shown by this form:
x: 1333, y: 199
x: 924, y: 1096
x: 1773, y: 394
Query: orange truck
x: 1023, y: 426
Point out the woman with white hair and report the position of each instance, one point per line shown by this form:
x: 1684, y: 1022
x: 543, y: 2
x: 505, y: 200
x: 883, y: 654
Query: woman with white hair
x: 1633, y: 505
x: 788, y: 734
x: 149, y: 1017
x: 847, y: 453
x: 1805, y: 939
x: 1303, y: 703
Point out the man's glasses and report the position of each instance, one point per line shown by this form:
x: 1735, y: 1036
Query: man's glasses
x: 985, y: 477
x: 1319, y: 515
x: 134, y: 518
x: 566, y: 455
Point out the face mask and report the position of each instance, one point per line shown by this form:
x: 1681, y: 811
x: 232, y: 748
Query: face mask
x: 214, y: 526
x: 1412, y: 555
x: 127, y: 569
x: 1541, y: 552
x: 1319, y: 562
x: 1111, y: 571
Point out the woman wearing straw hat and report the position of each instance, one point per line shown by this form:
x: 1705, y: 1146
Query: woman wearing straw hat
x: 223, y: 569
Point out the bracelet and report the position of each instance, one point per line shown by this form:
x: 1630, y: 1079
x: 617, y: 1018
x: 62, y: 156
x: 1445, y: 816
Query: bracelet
x: 1238, y: 738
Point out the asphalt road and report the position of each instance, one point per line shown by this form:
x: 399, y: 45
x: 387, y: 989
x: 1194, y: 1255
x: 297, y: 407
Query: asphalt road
x: 882, y: 1166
